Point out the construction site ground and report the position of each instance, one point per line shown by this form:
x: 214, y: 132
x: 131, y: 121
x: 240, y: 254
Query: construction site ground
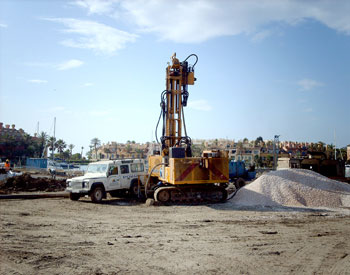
x: 59, y: 236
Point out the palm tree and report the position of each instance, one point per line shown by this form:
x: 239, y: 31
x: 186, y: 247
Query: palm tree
x: 71, y: 146
x: 258, y: 141
x: 330, y: 150
x: 95, y: 142
x: 60, y: 145
x: 51, y: 141
x: 320, y: 146
x: 42, y: 143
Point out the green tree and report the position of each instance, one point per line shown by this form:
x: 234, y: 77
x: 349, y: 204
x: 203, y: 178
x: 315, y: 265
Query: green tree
x: 269, y: 159
x: 65, y: 154
x: 71, y: 146
x: 76, y: 156
x: 257, y: 161
x: 258, y: 141
x: 51, y: 141
x: 61, y: 145
x: 330, y: 151
x: 197, y: 150
x: 95, y: 142
x: 42, y: 143
x: 320, y: 146
x: 128, y: 148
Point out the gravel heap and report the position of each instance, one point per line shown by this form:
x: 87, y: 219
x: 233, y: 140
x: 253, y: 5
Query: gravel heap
x: 294, y: 187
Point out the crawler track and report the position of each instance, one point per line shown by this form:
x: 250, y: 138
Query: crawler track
x: 190, y: 194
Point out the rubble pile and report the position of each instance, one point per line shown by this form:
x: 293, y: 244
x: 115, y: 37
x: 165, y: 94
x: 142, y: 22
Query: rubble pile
x: 26, y: 183
x: 294, y: 187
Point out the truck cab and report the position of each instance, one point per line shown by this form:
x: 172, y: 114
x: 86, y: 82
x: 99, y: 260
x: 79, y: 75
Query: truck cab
x: 115, y: 177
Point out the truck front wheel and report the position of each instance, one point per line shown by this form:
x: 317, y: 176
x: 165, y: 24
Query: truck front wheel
x: 239, y: 183
x: 74, y: 197
x: 134, y: 188
x: 97, y: 194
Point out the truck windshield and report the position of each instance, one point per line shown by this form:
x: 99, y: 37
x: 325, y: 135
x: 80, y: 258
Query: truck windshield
x: 97, y: 168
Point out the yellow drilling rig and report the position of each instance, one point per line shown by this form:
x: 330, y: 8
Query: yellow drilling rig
x: 174, y: 175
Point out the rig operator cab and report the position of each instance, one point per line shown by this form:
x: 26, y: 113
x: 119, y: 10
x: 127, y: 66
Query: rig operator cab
x: 116, y: 177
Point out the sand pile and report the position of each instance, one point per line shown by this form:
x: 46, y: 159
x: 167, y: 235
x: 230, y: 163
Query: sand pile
x: 294, y: 187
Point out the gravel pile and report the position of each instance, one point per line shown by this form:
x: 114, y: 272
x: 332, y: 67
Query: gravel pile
x: 294, y: 187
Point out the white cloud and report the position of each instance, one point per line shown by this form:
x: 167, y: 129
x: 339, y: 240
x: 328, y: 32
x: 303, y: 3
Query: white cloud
x: 96, y: 6
x: 37, y: 81
x: 199, y: 105
x: 259, y: 36
x: 39, y: 64
x: 3, y: 25
x: 88, y: 84
x: 309, y: 84
x: 197, y: 21
x: 95, y: 36
x: 55, y: 109
x: 100, y: 113
x: 308, y: 110
x: 70, y: 64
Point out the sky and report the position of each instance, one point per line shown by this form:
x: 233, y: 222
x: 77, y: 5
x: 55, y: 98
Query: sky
x: 265, y: 68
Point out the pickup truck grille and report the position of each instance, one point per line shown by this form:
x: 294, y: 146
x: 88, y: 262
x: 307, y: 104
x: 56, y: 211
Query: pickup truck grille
x: 76, y: 185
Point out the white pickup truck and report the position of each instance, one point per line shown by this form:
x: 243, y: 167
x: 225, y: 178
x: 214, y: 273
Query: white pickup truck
x: 115, y: 177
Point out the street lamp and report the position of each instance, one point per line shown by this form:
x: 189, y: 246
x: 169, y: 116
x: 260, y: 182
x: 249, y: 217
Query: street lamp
x: 275, y: 150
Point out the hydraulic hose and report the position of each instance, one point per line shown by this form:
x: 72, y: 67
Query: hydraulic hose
x: 195, y: 57
x: 157, y: 126
x: 162, y: 105
x: 232, y: 195
x: 183, y: 120
x: 147, y: 182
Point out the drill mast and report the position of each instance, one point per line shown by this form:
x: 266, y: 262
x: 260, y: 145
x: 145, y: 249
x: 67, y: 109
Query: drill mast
x: 178, y: 76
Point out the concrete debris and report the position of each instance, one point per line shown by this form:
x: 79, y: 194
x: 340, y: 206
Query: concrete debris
x: 294, y: 187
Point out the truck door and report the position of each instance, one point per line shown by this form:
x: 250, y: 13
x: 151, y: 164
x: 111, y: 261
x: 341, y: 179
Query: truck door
x: 125, y: 175
x: 113, y: 178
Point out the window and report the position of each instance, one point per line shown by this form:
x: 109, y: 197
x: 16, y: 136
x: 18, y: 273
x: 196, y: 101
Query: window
x: 113, y: 170
x: 97, y: 168
x: 136, y: 167
x: 124, y: 169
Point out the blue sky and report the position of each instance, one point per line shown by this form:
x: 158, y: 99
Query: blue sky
x: 265, y: 68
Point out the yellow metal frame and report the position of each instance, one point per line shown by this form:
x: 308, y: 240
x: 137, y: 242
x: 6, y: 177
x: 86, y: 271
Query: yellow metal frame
x: 188, y: 170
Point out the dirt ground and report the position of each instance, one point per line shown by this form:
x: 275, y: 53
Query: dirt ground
x: 59, y: 236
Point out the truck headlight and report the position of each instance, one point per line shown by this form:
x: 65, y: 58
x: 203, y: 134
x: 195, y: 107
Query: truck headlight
x: 85, y: 184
